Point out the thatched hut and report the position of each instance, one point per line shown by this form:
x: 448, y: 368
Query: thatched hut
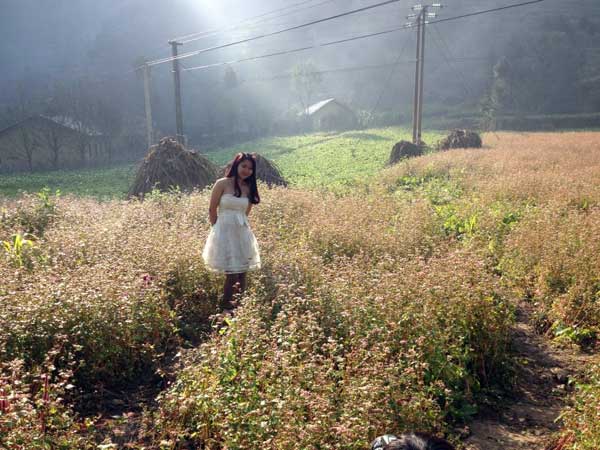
x: 266, y: 171
x: 460, y: 139
x: 169, y: 165
x: 404, y: 149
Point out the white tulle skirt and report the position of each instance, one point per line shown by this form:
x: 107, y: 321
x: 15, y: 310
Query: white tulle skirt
x: 231, y: 247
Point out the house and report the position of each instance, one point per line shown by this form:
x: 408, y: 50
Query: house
x: 330, y: 114
x: 41, y: 143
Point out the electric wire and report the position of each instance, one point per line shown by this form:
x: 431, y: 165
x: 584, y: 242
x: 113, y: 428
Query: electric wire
x: 447, y: 55
x: 274, y: 33
x: 240, y: 26
x: 192, y: 36
x: 404, y: 27
x: 389, y: 77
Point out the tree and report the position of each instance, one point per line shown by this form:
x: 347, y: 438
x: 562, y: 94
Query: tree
x: 73, y: 107
x: 230, y: 78
x: 306, y: 80
x: 55, y: 141
x: 108, y: 120
x: 27, y: 141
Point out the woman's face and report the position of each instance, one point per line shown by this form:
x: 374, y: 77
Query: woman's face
x: 245, y: 169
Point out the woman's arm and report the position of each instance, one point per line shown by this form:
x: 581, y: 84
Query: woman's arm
x: 248, y: 209
x: 215, y: 197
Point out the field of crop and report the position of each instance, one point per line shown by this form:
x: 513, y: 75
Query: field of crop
x: 383, y: 310
x: 335, y: 160
x: 99, y: 183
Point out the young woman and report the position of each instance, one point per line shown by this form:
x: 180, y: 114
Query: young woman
x: 231, y: 247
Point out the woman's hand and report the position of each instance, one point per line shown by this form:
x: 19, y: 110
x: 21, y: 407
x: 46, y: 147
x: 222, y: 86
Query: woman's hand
x: 215, y: 198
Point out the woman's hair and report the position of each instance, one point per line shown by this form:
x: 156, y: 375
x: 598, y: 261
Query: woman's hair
x: 410, y: 441
x: 251, y: 180
x: 418, y: 441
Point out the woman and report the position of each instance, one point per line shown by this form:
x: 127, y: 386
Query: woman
x: 231, y: 247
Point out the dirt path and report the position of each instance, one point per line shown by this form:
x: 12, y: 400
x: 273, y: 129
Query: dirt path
x: 529, y: 419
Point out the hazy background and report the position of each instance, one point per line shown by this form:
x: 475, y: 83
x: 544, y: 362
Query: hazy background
x: 538, y: 59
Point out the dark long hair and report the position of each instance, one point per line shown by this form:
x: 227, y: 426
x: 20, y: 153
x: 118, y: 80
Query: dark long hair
x: 251, y: 180
x: 418, y: 441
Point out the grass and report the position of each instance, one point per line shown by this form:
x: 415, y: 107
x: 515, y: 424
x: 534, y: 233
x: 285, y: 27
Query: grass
x: 101, y: 183
x: 334, y: 161
x: 328, y: 160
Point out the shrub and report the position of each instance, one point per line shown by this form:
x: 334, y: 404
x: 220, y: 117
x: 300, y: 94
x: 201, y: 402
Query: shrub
x: 363, y: 349
x: 581, y: 429
x: 552, y: 257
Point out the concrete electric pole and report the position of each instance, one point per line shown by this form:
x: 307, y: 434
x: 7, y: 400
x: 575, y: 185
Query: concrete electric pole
x: 421, y: 21
x: 177, y: 80
x: 148, y: 105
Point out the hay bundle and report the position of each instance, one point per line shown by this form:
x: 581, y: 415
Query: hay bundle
x: 460, y: 139
x: 169, y: 164
x: 404, y: 149
x: 266, y: 171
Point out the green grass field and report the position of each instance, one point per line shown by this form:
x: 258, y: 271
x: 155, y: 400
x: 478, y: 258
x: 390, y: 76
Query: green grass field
x: 321, y: 160
x: 101, y: 183
x: 330, y: 160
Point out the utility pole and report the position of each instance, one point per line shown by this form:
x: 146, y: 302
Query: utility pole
x: 177, y: 80
x: 148, y: 105
x: 421, y: 75
x: 417, y: 82
x: 421, y: 22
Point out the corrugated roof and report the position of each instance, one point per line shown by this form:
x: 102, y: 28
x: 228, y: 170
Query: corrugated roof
x: 61, y: 121
x: 317, y: 106
x: 69, y: 122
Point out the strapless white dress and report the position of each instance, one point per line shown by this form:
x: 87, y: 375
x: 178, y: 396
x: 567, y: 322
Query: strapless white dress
x: 231, y: 247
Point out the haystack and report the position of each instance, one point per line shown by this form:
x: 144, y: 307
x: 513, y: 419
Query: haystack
x: 168, y: 165
x: 266, y: 171
x: 404, y: 149
x: 460, y: 139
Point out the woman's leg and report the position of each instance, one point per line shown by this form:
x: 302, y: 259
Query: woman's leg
x: 242, y: 282
x: 228, y: 290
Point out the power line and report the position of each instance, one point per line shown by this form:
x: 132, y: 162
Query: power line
x: 387, y: 82
x: 404, y: 27
x: 477, y: 13
x: 398, y: 62
x: 284, y: 52
x: 252, y: 58
x: 243, y: 31
x: 445, y: 48
x: 191, y: 37
x: 239, y: 25
x: 131, y: 71
x: 294, y: 50
x: 274, y: 33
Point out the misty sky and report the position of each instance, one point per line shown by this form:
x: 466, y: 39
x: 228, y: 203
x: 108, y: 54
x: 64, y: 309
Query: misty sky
x: 49, y: 37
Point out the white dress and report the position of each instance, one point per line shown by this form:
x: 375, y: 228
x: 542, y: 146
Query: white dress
x: 231, y: 246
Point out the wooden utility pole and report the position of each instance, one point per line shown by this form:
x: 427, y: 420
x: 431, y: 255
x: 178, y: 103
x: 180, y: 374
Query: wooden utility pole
x: 177, y: 80
x: 148, y: 105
